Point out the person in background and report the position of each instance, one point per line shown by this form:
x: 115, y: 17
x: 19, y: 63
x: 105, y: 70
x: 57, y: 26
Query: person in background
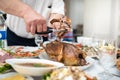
x: 68, y: 36
x: 25, y: 17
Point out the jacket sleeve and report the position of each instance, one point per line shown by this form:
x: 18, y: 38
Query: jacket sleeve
x: 58, y: 7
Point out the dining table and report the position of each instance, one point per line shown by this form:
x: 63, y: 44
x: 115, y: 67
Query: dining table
x: 95, y: 70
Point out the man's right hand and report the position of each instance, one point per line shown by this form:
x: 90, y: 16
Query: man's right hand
x: 34, y: 21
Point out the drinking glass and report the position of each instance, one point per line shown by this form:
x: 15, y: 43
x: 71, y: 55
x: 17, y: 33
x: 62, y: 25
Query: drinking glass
x: 107, y: 54
x: 38, y: 40
x: 52, y: 36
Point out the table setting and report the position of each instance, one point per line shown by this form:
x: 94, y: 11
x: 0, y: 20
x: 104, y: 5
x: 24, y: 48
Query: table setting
x: 60, y: 60
x: 94, y: 67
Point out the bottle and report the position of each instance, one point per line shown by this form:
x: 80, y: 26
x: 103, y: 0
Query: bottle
x: 3, y: 43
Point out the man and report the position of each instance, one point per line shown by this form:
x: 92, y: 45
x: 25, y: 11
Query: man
x: 27, y: 16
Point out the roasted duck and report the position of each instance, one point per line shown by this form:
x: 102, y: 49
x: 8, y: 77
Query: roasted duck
x: 66, y: 53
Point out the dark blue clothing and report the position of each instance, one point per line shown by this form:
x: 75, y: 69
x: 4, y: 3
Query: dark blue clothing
x: 13, y: 40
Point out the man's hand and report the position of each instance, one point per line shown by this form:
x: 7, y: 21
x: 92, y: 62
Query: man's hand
x: 34, y: 22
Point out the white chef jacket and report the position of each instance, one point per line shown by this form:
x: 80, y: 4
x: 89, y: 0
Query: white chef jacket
x: 17, y: 24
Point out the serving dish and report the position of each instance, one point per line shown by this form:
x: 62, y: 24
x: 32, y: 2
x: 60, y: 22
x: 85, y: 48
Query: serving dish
x: 35, y: 70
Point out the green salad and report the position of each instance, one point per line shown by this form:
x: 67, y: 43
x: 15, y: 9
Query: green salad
x: 5, y: 68
x: 46, y: 76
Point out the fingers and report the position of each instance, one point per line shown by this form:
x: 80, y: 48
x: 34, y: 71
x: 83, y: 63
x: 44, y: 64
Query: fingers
x: 28, y: 27
x: 36, y: 26
x: 44, y: 29
x: 33, y: 28
x: 35, y: 22
x: 39, y: 27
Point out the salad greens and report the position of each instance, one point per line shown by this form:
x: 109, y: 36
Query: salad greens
x: 46, y: 76
x: 5, y: 68
x: 8, y: 50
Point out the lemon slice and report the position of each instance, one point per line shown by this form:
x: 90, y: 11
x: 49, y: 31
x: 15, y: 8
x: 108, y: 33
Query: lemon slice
x: 15, y: 77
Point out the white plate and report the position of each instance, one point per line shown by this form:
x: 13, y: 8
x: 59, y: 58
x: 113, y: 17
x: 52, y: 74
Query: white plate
x: 88, y: 59
x: 13, y: 73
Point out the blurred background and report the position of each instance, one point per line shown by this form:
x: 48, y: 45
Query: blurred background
x: 94, y: 18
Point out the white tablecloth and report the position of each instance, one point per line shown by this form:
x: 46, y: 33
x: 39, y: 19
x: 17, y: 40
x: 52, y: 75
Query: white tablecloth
x: 97, y: 70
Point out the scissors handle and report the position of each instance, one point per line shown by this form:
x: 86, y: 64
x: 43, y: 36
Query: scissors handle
x: 49, y: 30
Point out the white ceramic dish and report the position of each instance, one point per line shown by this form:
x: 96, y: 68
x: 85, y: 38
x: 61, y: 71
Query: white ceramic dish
x: 12, y: 74
x: 89, y: 60
x: 33, y: 71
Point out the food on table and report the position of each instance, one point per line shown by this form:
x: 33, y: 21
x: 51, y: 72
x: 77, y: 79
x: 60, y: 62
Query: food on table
x: 79, y: 45
x: 68, y: 73
x: 107, y: 46
x: 118, y: 63
x: 54, y: 50
x: 35, y: 65
x: 118, y: 53
x: 65, y: 26
x: 4, y: 67
x: 90, y: 51
x: 4, y: 55
x: 107, y: 55
x: 21, y: 51
x: 108, y: 49
x: 15, y: 77
x: 66, y: 53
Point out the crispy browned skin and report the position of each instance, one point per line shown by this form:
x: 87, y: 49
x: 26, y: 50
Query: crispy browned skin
x: 118, y: 64
x: 67, y: 53
x: 70, y: 54
x: 54, y: 50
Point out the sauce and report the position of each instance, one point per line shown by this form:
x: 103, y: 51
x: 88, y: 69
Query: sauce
x: 35, y: 65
